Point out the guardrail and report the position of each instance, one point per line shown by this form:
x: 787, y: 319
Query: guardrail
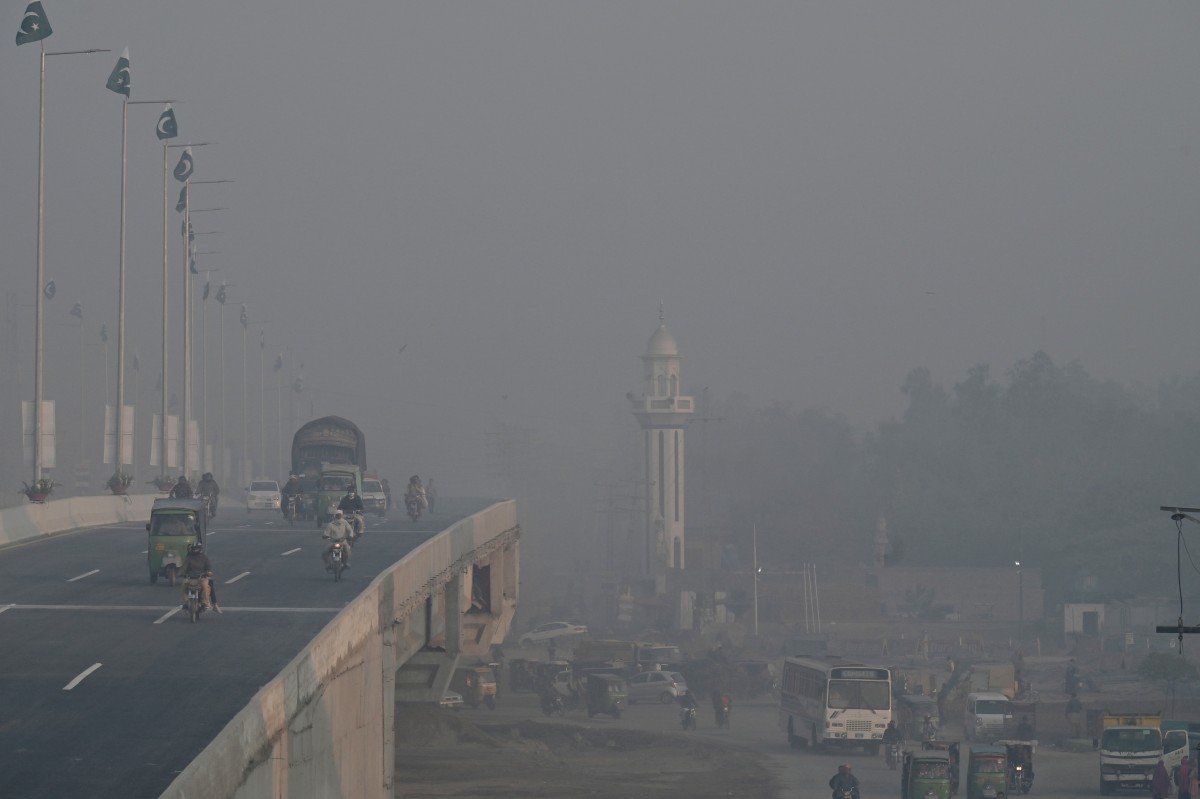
x: 323, y: 726
x: 38, y: 520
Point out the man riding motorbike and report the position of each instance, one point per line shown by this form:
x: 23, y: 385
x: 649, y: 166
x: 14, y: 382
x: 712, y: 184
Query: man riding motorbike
x: 182, y: 489
x: 892, y: 740
x: 197, y: 564
x: 843, y: 782
x: 415, y: 492
x: 722, y: 707
x: 290, y: 489
x: 208, y: 488
x: 431, y: 494
x: 352, y: 506
x: 337, y: 530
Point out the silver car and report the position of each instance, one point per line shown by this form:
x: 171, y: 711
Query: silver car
x: 661, y: 686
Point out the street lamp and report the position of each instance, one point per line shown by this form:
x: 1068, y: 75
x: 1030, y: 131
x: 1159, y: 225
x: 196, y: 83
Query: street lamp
x: 1020, y: 601
x: 41, y: 269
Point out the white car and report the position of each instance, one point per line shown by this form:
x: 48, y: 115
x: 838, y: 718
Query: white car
x: 552, y: 630
x: 374, y: 500
x: 661, y: 686
x: 262, y: 495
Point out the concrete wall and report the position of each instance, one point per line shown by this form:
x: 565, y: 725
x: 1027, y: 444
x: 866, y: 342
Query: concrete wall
x: 324, y: 726
x: 37, y: 520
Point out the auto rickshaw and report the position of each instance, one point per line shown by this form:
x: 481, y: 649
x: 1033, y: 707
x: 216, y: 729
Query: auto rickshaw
x: 477, y: 684
x: 987, y: 772
x: 911, y: 710
x: 926, y: 775
x: 332, y: 485
x: 175, y: 524
x: 607, y: 694
x: 1019, y: 757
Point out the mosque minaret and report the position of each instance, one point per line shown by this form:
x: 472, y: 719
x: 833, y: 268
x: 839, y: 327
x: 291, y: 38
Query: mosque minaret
x: 663, y: 414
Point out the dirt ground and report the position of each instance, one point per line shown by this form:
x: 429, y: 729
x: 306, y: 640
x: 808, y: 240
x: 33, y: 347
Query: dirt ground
x: 441, y: 753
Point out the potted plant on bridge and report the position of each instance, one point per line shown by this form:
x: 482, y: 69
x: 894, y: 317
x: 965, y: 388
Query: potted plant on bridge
x: 39, y: 491
x: 163, y: 483
x: 119, y: 482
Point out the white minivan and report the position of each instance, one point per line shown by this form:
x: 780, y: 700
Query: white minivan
x: 986, y: 715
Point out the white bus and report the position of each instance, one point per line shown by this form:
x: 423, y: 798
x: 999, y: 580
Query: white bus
x: 834, y: 702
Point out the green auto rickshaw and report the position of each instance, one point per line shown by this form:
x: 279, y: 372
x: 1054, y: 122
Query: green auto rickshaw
x: 607, y: 694
x: 987, y: 772
x: 175, y: 524
x: 332, y: 485
x: 926, y: 775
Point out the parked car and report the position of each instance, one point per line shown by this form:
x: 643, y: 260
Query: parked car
x: 660, y: 686
x: 262, y: 495
x: 452, y: 700
x: 374, y: 500
x: 552, y: 630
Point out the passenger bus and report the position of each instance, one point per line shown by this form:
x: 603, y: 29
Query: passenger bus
x: 834, y: 702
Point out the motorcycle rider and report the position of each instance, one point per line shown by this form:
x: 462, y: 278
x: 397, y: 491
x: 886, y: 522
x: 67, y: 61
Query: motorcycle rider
x: 352, y: 503
x: 208, y: 487
x: 415, y: 492
x: 843, y: 781
x: 197, y: 564
x: 892, y: 734
x: 337, y: 530
x: 290, y: 489
x: 722, y: 706
x: 182, y: 489
x: 928, y: 729
x: 431, y: 494
x: 387, y: 494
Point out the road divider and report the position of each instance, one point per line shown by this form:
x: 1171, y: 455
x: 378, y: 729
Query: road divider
x: 37, y: 520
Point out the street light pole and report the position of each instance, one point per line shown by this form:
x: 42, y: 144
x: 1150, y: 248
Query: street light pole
x: 1020, y: 601
x: 39, y: 307
x: 755, y: 551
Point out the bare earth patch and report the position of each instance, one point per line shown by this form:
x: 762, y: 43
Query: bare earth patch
x: 439, y: 754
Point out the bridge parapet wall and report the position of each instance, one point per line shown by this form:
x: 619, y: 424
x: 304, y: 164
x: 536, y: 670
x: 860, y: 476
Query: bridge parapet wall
x: 36, y: 520
x: 324, y: 726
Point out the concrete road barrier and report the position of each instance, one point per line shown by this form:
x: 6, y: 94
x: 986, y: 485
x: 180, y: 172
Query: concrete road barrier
x: 38, y: 520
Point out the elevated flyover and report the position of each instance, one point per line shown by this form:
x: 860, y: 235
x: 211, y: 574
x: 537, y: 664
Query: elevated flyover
x: 107, y: 690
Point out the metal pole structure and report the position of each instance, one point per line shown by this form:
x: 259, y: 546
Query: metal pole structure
x: 754, y: 549
x: 82, y: 397
x: 120, y: 415
x: 816, y: 597
x: 1020, y: 600
x: 221, y: 326
x: 245, y: 439
x: 39, y: 305
x: 186, y: 465
x: 166, y: 296
x: 262, y: 404
x: 279, y: 417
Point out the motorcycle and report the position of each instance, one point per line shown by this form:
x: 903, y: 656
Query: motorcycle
x: 723, y: 716
x: 415, y: 507
x: 1019, y: 779
x: 552, y: 704
x: 893, y: 755
x: 687, y: 718
x: 195, y: 597
x: 337, y: 561
x: 210, y: 502
x: 291, y: 508
x: 359, y: 524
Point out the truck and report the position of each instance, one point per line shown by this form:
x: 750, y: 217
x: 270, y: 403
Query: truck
x: 330, y: 439
x: 1130, y: 747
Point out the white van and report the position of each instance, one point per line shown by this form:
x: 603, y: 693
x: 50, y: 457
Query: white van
x: 985, y: 716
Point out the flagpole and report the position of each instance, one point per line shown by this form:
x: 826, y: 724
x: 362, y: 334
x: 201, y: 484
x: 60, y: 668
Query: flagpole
x: 187, y: 332
x: 39, y: 311
x: 166, y: 296
x: 120, y: 425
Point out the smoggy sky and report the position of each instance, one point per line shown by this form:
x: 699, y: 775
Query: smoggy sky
x: 825, y: 196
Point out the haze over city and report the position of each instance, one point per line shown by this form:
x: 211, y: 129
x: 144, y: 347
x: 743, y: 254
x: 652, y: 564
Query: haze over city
x: 462, y: 218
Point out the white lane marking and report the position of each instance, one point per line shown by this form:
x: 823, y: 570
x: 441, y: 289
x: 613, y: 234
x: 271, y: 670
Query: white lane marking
x: 235, y: 579
x: 168, y: 614
x: 211, y: 533
x: 82, y: 676
x: 145, y: 551
x: 290, y: 552
x: 85, y: 574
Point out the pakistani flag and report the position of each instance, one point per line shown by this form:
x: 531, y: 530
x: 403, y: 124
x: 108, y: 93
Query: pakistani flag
x: 205, y: 297
x: 77, y: 310
x: 185, y: 167
x: 50, y: 290
x: 221, y: 293
x: 168, y: 127
x: 192, y: 264
x: 179, y: 206
x: 118, y: 81
x: 245, y: 319
x: 104, y: 333
x: 34, y: 25
x: 278, y: 362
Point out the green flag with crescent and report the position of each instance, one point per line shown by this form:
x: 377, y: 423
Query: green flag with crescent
x: 118, y: 79
x: 34, y: 25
